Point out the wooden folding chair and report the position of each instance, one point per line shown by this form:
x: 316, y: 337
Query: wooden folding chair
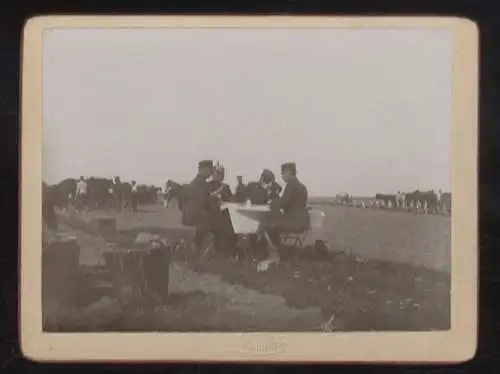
x: 298, y: 238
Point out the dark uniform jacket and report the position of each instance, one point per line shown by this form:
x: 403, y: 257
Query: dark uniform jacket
x: 258, y: 195
x: 274, y: 191
x: 225, y: 194
x: 293, y: 205
x: 240, y: 193
x: 197, y: 203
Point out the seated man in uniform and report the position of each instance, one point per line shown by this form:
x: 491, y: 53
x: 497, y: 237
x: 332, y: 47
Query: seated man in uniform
x: 269, y: 183
x: 265, y: 190
x: 288, y: 213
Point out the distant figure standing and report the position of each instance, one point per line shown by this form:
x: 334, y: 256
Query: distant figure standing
x: 240, y: 193
x: 439, y: 202
x: 166, y: 192
x: 419, y: 206
x: 116, y: 189
x: 134, y: 196
x: 81, y: 194
x: 173, y: 190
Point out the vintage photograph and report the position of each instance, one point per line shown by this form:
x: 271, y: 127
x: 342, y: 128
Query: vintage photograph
x: 249, y: 180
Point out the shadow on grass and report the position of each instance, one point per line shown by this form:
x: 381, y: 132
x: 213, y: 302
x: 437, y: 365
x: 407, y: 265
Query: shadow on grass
x: 368, y: 295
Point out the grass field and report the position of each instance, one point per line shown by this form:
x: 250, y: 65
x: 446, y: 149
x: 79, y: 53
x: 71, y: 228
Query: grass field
x: 417, y: 240
x: 385, y: 271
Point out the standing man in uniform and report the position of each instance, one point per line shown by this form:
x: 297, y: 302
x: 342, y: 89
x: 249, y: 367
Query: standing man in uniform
x: 199, y: 204
x: 288, y: 213
x: 217, y: 186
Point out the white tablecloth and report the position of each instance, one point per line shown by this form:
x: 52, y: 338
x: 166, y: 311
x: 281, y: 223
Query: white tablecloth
x: 245, y: 219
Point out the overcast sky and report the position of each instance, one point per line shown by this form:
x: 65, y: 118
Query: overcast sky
x: 361, y: 111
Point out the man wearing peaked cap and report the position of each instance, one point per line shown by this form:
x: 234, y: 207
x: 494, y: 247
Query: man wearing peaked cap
x: 268, y: 182
x: 289, y: 166
x: 289, y: 212
x: 197, y: 203
x: 206, y: 164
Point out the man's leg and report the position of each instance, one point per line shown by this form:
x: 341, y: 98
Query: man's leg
x: 223, y: 231
x: 119, y: 203
x: 79, y: 202
x: 271, y: 236
x: 204, y: 228
x: 199, y: 238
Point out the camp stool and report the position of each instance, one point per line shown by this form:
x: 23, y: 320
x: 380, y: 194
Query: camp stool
x: 298, y: 238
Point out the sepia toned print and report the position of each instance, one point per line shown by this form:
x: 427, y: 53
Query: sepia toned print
x: 249, y: 180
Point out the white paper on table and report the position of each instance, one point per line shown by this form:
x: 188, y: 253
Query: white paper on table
x: 243, y: 223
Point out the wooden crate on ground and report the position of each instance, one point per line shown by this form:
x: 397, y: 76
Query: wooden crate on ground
x: 140, y: 275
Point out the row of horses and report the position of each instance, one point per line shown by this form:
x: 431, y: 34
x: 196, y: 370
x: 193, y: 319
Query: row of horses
x: 99, y: 196
x: 416, y: 201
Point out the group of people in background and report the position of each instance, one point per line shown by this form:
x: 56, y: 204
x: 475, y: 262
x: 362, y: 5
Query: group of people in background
x: 120, y: 195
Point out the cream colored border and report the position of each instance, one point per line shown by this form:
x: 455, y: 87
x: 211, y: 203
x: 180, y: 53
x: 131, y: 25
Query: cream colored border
x: 457, y: 344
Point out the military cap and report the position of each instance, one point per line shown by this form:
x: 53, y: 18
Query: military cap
x: 291, y: 166
x: 267, y: 175
x: 206, y: 164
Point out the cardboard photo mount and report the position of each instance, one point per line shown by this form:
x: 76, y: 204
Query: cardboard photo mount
x: 455, y: 345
